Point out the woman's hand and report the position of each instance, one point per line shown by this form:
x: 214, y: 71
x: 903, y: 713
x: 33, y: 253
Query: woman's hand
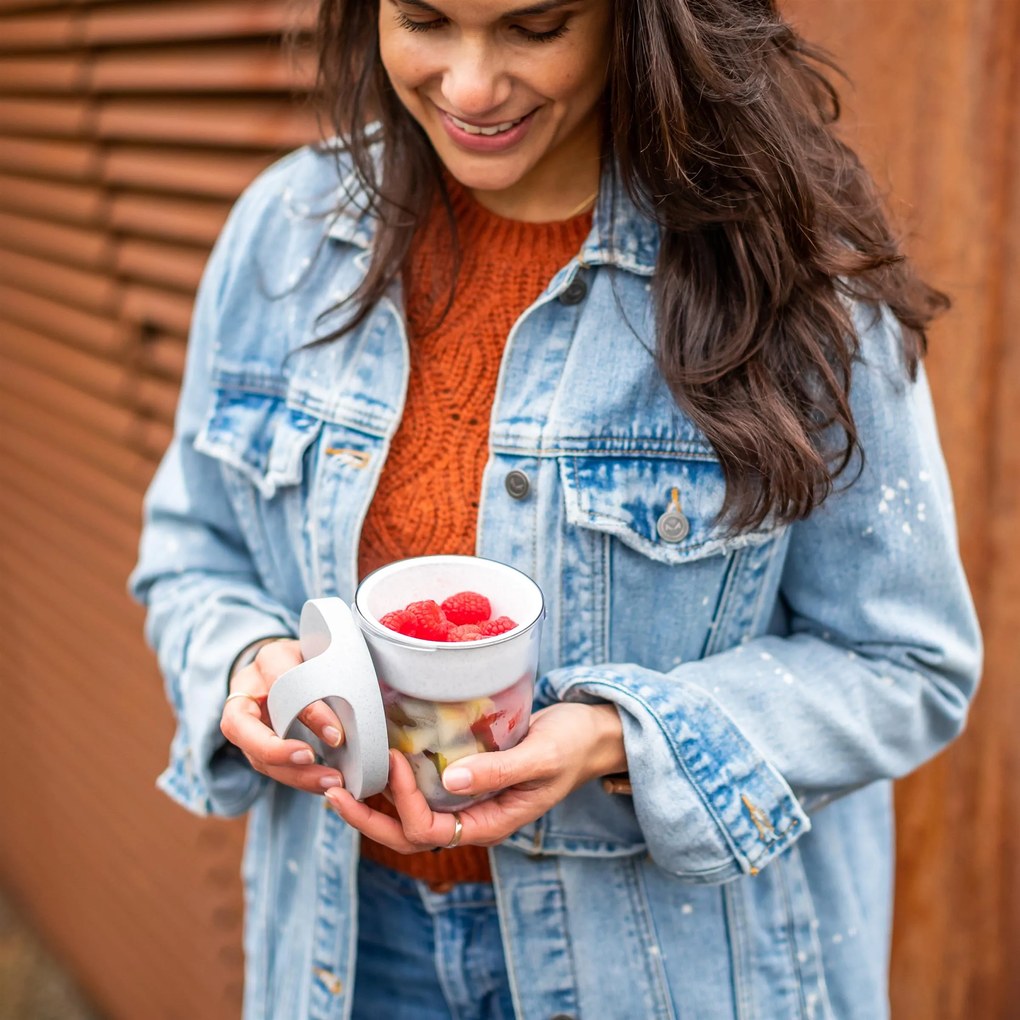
x: 245, y: 722
x: 567, y: 745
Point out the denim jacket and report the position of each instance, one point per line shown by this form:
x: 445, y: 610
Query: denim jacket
x: 771, y: 684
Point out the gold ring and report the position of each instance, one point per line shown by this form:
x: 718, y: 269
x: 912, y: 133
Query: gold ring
x: 244, y: 694
x: 458, y: 830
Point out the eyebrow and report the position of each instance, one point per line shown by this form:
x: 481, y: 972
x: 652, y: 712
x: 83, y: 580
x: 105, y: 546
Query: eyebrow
x: 542, y: 7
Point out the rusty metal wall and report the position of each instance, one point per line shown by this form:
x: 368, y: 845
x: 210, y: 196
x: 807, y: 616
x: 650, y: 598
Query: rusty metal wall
x: 126, y: 128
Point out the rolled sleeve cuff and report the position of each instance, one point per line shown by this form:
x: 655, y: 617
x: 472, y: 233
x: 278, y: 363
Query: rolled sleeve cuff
x: 710, y: 806
x: 203, y: 774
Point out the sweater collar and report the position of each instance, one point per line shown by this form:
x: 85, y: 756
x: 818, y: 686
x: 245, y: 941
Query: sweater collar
x: 620, y: 235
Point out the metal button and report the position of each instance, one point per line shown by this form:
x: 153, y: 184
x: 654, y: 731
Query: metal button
x: 517, y: 484
x: 575, y: 292
x: 672, y: 526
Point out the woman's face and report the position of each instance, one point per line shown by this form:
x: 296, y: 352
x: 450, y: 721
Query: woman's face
x: 506, y: 90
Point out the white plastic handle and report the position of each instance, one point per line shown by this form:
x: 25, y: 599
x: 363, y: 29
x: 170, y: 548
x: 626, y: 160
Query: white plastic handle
x: 338, y: 670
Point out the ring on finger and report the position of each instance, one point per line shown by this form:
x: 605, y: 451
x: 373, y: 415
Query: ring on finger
x: 244, y: 694
x: 458, y: 831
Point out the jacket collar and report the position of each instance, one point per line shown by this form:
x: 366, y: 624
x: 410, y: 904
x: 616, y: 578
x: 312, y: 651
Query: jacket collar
x: 620, y: 235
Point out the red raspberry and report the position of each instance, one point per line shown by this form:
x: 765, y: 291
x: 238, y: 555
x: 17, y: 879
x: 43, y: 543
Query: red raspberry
x: 401, y: 621
x: 467, y: 607
x: 429, y: 621
x: 490, y: 628
x: 464, y: 632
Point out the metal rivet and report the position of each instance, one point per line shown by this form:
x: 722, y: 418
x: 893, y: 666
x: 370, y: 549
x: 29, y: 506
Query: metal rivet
x: 672, y: 526
x: 517, y: 484
x: 575, y: 292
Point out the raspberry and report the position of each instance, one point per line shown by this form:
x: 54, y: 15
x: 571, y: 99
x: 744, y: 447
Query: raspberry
x: 490, y: 628
x: 399, y: 620
x: 467, y: 607
x: 429, y: 621
x: 464, y: 632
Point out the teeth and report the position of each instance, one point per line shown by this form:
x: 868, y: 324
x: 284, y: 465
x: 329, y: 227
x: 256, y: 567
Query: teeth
x: 473, y: 129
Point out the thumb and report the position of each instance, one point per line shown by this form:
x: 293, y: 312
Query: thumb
x: 493, y: 770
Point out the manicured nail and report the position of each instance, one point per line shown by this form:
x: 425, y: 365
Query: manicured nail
x: 328, y: 782
x: 304, y: 757
x: 332, y: 736
x: 455, y: 779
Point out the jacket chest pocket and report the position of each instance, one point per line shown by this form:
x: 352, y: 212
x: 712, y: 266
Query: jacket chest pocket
x: 657, y: 569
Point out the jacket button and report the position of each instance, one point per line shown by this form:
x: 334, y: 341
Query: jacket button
x: 672, y: 526
x: 575, y: 292
x: 562, y: 1016
x: 517, y: 484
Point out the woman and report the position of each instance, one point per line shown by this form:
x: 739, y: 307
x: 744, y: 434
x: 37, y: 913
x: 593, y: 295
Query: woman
x: 599, y: 295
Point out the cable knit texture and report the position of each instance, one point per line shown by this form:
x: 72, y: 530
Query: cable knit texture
x: 427, y: 499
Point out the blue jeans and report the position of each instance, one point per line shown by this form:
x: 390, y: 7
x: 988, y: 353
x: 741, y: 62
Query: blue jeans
x: 425, y: 955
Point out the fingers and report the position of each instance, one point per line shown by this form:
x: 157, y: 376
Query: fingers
x: 272, y: 661
x: 499, y: 770
x: 245, y: 723
x: 418, y: 828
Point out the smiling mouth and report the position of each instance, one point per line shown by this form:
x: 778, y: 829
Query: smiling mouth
x: 488, y: 129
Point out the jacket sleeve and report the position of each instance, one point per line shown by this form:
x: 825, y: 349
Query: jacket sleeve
x: 870, y: 676
x: 194, y: 573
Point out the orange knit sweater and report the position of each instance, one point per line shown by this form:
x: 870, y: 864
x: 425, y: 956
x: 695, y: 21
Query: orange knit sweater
x: 427, y: 499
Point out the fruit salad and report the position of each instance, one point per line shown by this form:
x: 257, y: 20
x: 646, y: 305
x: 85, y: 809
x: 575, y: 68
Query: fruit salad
x: 434, y: 734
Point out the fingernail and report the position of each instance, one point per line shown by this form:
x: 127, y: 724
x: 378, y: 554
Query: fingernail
x: 332, y: 736
x: 302, y: 757
x: 456, y: 779
x: 327, y: 782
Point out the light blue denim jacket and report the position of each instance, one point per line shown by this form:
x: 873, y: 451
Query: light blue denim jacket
x: 770, y: 685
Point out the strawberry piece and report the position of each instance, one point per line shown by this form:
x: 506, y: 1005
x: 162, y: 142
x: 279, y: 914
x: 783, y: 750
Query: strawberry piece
x: 401, y: 621
x: 429, y: 621
x: 465, y: 632
x: 490, y: 628
x: 467, y: 607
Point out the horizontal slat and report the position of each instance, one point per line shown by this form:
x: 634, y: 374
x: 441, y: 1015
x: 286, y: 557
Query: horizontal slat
x: 157, y: 398
x: 143, y: 23
x: 222, y: 67
x: 110, y: 380
x: 54, y: 30
x: 93, y: 414
x: 46, y: 158
x: 165, y: 354
x: 56, y: 241
x: 51, y: 423
x: 168, y: 265
x: 71, y: 203
x: 176, y: 219
x: 161, y: 310
x: 44, y: 116
x: 76, y: 505
x: 64, y: 73
x: 67, y: 468
x: 266, y: 123
x: 51, y: 318
x: 215, y: 174
x: 94, y: 292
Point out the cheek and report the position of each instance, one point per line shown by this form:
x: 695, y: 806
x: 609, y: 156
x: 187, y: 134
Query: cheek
x: 403, y: 63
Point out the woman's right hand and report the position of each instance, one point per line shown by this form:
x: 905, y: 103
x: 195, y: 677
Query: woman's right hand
x: 245, y: 723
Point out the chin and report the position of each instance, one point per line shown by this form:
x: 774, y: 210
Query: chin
x: 482, y: 178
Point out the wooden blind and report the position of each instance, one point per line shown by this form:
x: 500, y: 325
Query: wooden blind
x: 126, y: 131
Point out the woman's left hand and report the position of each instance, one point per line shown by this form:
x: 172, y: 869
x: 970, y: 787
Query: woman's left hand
x: 567, y: 746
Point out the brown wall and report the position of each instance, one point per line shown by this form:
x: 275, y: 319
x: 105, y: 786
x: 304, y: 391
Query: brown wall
x: 125, y: 130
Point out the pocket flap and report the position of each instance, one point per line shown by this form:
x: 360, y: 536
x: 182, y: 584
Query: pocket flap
x: 629, y: 496
x: 259, y: 435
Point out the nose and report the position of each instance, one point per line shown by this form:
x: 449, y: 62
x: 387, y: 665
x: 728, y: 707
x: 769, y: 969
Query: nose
x: 474, y: 82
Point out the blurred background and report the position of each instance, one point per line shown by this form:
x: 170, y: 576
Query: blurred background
x: 126, y: 130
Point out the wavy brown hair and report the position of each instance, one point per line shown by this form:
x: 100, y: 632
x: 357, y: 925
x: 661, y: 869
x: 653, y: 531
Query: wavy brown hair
x: 718, y: 120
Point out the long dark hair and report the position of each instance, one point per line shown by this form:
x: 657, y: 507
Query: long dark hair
x: 718, y: 120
